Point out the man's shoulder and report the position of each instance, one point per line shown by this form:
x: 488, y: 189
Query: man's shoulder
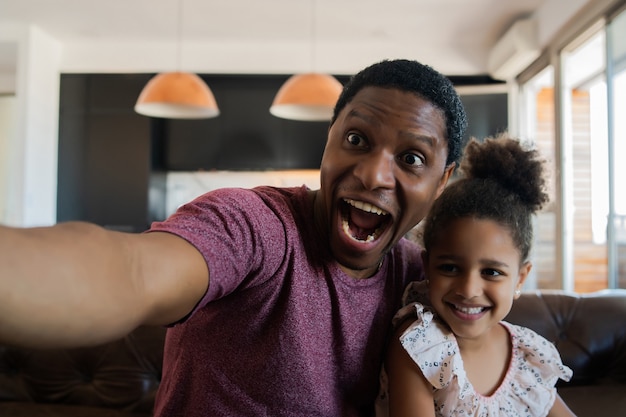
x: 407, y: 259
x: 265, y: 195
x: 280, y: 192
x: 407, y: 248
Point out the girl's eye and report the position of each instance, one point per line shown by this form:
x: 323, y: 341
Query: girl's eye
x: 355, y: 139
x: 447, y: 268
x: 492, y: 273
x: 413, y: 160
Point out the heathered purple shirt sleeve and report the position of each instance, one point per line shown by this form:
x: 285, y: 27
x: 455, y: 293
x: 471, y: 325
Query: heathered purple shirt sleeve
x: 236, y: 232
x: 282, y: 331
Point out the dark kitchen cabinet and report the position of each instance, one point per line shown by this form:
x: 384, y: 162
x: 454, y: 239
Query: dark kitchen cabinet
x: 104, y: 167
x: 112, y: 162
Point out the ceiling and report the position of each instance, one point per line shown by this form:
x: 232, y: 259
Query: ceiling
x: 339, y: 36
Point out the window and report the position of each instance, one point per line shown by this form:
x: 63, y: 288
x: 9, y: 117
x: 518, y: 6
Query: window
x: 585, y: 149
x: 538, y: 108
x: 616, y: 66
x: 570, y: 115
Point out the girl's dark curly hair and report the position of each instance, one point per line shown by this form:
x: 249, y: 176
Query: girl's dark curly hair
x: 411, y: 76
x: 502, y: 181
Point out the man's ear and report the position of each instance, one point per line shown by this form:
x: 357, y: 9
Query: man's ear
x: 447, y: 173
x: 523, y: 274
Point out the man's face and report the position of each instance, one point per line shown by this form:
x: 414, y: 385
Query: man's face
x: 383, y: 166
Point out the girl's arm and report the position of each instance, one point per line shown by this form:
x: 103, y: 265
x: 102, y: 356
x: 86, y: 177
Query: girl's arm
x: 410, y: 394
x: 560, y: 409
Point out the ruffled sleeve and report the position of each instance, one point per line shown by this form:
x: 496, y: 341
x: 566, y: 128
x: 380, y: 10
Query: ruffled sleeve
x: 414, y: 293
x: 432, y: 347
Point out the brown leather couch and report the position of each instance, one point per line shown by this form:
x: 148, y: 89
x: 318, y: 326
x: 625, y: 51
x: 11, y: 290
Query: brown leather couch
x: 590, y: 333
x: 120, y: 379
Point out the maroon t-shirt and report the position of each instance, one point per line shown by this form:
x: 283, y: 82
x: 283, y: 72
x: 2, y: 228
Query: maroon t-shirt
x: 282, y: 330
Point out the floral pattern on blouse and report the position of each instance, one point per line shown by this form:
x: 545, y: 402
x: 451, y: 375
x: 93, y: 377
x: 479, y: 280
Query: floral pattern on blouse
x: 527, y: 389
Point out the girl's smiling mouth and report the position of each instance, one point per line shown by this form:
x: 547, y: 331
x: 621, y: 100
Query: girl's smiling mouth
x: 468, y: 312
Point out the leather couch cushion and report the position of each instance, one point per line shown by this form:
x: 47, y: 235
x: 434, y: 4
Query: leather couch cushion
x: 595, y: 400
x: 589, y: 330
x: 121, y: 375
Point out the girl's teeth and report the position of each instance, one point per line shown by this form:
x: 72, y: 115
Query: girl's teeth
x: 469, y: 310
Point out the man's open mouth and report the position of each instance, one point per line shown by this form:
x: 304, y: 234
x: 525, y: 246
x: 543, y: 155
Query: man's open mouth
x: 363, y: 222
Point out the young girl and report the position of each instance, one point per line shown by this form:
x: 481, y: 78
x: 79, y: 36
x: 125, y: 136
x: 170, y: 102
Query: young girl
x: 453, y: 354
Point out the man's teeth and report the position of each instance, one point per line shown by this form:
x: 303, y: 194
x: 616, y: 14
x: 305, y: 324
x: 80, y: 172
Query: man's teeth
x: 361, y: 205
x: 469, y: 310
x: 346, y: 229
x: 367, y: 207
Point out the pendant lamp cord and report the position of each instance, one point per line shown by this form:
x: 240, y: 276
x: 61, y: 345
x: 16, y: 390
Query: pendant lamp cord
x: 313, y: 37
x: 179, y: 36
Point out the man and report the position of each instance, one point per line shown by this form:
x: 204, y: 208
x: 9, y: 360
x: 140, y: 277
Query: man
x: 278, y: 299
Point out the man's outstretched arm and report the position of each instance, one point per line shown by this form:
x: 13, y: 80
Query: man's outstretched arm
x: 77, y: 284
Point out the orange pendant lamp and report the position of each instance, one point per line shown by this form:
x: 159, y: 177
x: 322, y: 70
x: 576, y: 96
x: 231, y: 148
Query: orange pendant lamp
x: 177, y: 95
x: 307, y: 97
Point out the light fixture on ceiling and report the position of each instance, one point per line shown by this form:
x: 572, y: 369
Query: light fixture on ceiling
x: 307, y: 97
x: 177, y: 95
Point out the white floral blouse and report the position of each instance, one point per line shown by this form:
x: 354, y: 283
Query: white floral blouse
x: 527, y: 389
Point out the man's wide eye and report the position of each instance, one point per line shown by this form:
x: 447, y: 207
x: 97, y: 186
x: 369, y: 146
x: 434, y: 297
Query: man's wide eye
x: 355, y: 139
x: 412, y: 159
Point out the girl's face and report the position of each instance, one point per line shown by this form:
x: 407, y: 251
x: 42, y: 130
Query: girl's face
x: 474, y: 269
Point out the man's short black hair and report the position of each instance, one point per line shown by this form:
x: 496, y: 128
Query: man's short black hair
x: 412, y: 76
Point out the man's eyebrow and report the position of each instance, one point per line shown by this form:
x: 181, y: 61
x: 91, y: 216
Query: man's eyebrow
x: 359, y: 115
x: 428, y: 140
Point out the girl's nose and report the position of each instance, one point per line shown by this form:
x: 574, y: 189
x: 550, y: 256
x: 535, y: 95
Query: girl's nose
x: 469, y: 286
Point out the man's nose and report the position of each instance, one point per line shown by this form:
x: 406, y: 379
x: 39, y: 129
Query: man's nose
x: 376, y: 170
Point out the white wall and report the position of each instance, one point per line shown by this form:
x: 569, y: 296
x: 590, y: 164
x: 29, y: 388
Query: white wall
x: 41, y: 59
x: 285, y: 55
x: 7, y: 135
x: 31, y: 190
x: 7, y: 67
